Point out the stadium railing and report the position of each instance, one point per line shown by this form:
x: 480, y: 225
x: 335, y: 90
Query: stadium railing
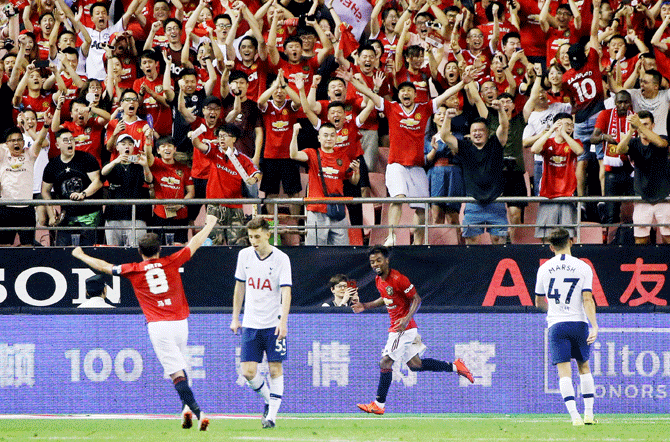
x: 280, y: 226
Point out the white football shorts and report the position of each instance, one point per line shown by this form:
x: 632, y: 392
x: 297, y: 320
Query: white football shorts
x: 409, y: 181
x: 404, y: 346
x: 169, y: 341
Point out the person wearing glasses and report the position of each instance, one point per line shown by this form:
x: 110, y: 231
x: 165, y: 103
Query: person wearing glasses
x: 72, y: 175
x: 127, y: 122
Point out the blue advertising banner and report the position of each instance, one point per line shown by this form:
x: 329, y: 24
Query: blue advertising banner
x: 480, y: 276
x: 105, y: 364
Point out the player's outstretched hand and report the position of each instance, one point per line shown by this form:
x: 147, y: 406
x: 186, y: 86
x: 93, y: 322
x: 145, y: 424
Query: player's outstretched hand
x: 78, y: 252
x: 235, y: 326
x: 358, y: 307
x: 211, y: 219
x: 593, y: 335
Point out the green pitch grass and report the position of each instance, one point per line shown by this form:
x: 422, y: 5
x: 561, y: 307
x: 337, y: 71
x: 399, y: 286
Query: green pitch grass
x: 341, y: 428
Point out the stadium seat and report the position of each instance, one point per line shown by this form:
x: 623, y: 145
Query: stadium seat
x: 378, y: 236
x: 442, y: 236
x: 590, y: 233
x: 526, y: 234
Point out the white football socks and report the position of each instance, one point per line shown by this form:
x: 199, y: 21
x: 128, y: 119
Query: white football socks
x: 568, y: 393
x: 260, y: 386
x: 588, y: 390
x: 276, y: 393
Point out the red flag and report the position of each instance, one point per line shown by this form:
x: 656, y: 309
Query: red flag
x: 348, y: 42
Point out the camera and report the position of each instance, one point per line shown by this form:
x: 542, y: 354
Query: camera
x: 8, y: 44
x: 132, y: 158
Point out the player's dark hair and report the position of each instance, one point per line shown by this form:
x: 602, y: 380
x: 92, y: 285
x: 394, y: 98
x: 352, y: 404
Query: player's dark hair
x: 250, y: 38
x: 624, y: 94
x: 230, y: 129
x: 562, y: 116
x: 61, y: 132
x: 45, y: 14
x: 292, y: 39
x: 336, y: 279
x: 333, y: 79
x: 512, y: 34
x: 149, y: 245
x: 328, y: 125
x: 99, y: 4
x: 615, y: 36
x: 236, y: 75
x: 162, y: 1
x: 646, y: 114
x: 128, y: 91
x: 12, y: 130
x: 379, y: 249
x: 220, y: 16
x: 188, y: 71
x: 66, y: 32
x: 385, y: 13
x: 566, y: 7
x: 559, y: 238
x: 366, y: 47
x: 506, y: 95
x: 425, y: 15
x: 165, y: 140
x: 173, y: 20
x: 413, y: 51
x: 151, y: 55
x: 479, y: 120
x: 258, y: 223
x: 69, y: 50
x: 406, y: 84
x: 656, y: 75
x: 335, y: 104
x: 79, y: 100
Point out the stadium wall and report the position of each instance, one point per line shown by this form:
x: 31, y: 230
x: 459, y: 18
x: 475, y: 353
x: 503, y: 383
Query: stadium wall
x: 626, y: 277
x: 95, y: 363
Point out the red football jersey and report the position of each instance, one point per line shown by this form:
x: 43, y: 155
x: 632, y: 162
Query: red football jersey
x: 349, y: 139
x: 397, y: 292
x: 585, y: 87
x: 87, y: 138
x: 162, y: 115
x: 420, y: 81
x: 257, y: 75
x: 135, y: 129
x: 157, y: 285
x: 306, y: 66
x: 278, y: 122
x: 406, y: 132
x: 558, y: 176
x: 224, y: 181
x: 41, y: 105
x: 334, y: 166
x: 170, y: 181
x: 200, y: 167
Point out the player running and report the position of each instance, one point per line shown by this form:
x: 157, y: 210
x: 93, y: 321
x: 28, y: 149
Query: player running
x: 404, y: 343
x: 263, y: 282
x: 567, y: 282
x: 158, y: 288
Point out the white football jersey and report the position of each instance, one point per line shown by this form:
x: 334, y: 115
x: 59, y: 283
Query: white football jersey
x: 263, y: 279
x: 562, y: 280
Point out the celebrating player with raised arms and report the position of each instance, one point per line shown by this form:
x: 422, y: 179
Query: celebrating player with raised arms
x: 263, y: 282
x: 563, y: 290
x: 158, y: 288
x: 404, y: 343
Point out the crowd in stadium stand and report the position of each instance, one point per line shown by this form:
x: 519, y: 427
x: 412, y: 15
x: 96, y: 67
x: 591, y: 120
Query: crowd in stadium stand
x: 179, y: 99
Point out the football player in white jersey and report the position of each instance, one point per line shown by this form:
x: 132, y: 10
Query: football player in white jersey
x: 263, y: 277
x: 564, y: 290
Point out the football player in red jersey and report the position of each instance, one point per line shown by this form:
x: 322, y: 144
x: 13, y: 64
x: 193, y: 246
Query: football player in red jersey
x: 404, y: 343
x: 158, y: 288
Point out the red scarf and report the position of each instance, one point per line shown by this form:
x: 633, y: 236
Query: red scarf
x: 615, y: 129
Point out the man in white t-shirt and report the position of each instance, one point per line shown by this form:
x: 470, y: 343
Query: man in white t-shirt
x: 650, y: 98
x: 263, y: 277
x: 16, y: 183
x: 564, y: 290
x: 95, y: 67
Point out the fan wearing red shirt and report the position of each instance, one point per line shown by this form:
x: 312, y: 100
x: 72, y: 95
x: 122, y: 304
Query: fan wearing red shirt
x: 171, y: 180
x: 129, y: 123
x: 405, y: 174
x: 279, y: 116
x: 153, y: 93
x: 404, y: 344
x: 226, y: 182
x: 30, y: 95
x: 85, y: 127
x: 252, y: 64
x: 584, y: 84
x: 334, y: 168
x: 558, y: 175
x: 160, y: 293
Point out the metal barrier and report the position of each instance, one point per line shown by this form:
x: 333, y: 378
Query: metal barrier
x: 276, y: 217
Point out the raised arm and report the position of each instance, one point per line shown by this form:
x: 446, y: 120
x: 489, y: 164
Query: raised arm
x: 296, y: 154
x: 361, y: 87
x: 200, y: 237
x: 94, y: 263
